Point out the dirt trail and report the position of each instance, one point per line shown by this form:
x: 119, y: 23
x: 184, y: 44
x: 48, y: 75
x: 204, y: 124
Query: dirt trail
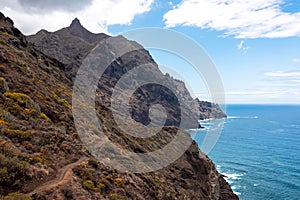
x: 63, y: 175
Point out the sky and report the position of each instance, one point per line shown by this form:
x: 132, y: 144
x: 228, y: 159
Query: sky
x: 254, y: 44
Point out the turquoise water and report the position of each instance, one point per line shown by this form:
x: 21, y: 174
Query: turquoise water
x: 259, y: 151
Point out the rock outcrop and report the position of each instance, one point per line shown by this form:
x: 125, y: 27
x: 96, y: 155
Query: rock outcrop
x: 210, y: 110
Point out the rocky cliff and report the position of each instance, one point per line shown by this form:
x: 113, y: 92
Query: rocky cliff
x: 42, y: 156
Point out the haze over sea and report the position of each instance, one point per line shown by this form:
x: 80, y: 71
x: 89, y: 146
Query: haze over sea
x: 259, y: 151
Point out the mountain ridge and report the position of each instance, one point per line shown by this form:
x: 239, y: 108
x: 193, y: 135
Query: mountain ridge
x: 74, y: 56
x: 38, y: 138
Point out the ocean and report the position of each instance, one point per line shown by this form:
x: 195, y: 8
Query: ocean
x: 259, y: 151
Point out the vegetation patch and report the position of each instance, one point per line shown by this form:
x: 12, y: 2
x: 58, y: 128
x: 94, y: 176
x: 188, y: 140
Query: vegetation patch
x: 88, y: 184
x: 31, y: 112
x: 18, y: 134
x: 12, y: 168
x: 12, y: 107
x: 2, y: 122
x: 113, y: 196
x: 101, y: 186
x: 20, y: 98
x: 118, y: 180
x: 17, y: 196
x: 61, y: 101
x: 45, y: 117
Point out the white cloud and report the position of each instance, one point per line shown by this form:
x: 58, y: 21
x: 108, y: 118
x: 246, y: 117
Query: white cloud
x: 296, y: 60
x: 239, y: 18
x: 283, y: 74
x: 50, y: 5
x: 95, y: 16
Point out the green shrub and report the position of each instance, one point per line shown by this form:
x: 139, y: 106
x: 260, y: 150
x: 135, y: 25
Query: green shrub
x: 2, y: 122
x: 30, y: 112
x: 45, y: 117
x: 89, y: 184
x: 19, y: 134
x: 157, y: 182
x: 6, y: 34
x: 65, y: 103
x: 61, y: 101
x: 17, y: 196
x: 20, y: 98
x: 12, y: 107
x: 37, y: 159
x: 101, y: 186
x: 113, y: 196
x: 118, y: 180
x: 105, y: 182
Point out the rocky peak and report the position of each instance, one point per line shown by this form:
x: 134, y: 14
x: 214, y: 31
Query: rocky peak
x: 7, y: 27
x: 77, y: 30
x: 75, y: 41
x: 6, y: 19
x: 76, y: 23
x: 1, y: 16
x: 76, y: 27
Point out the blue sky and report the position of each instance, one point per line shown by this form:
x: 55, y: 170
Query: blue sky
x: 254, y: 44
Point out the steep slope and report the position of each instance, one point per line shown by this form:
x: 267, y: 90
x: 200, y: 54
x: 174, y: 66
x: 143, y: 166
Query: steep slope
x: 39, y: 145
x: 37, y: 133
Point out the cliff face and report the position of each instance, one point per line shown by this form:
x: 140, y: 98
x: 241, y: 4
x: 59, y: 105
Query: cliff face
x: 210, y: 110
x: 42, y: 156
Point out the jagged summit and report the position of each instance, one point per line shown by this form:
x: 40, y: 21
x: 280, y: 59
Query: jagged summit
x: 6, y: 19
x: 77, y: 29
x: 75, y: 23
x: 75, y: 40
